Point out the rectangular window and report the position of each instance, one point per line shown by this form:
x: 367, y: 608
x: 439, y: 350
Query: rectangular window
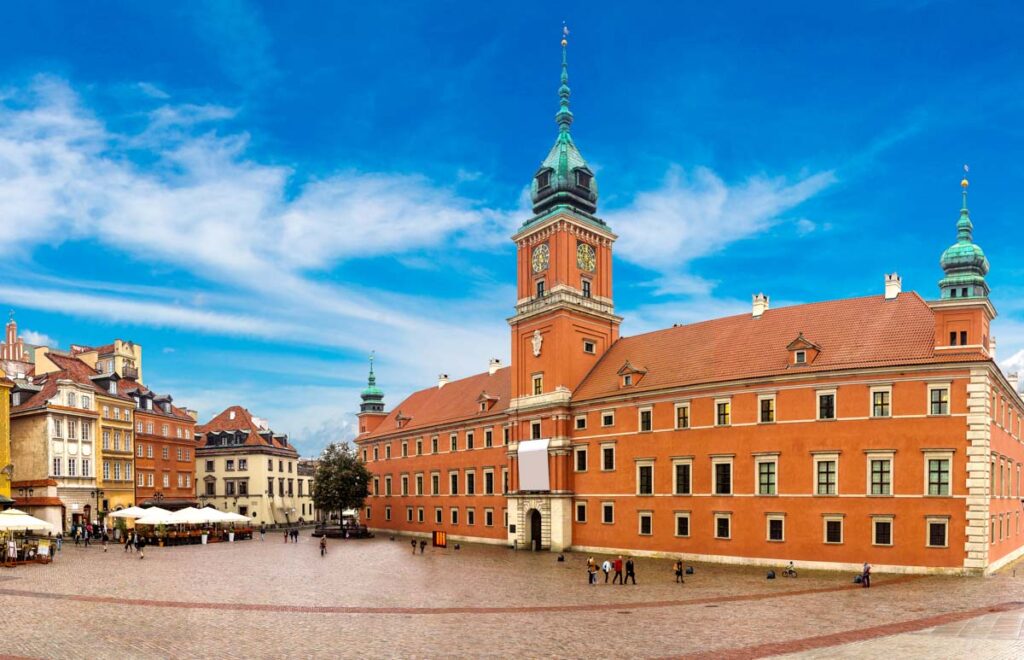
x: 581, y: 422
x: 645, y: 479
x: 826, y: 405
x: 682, y: 472
x: 149, y: 480
x: 608, y: 457
x: 683, y: 524
x: 405, y: 485
x: 723, y: 413
x: 586, y: 294
x: 470, y: 516
x: 608, y: 513
x: 881, y: 530
x: 387, y: 455
x: 433, y: 445
x: 387, y: 486
x: 645, y: 419
x: 106, y: 470
x: 435, y: 484
x: 72, y: 467
x: 455, y: 516
x: 766, y: 477
x: 139, y: 449
x: 938, y: 400
x: 149, y: 451
x: 880, y: 403
x: 438, y: 515
x: 387, y: 513
x: 469, y: 439
x: 646, y: 520
x: 454, y: 441
x: 767, y: 409
x: 488, y: 517
x: 453, y: 478
x: 488, y: 438
x: 540, y: 288
x: 825, y: 476
x: 881, y: 476
x: 723, y: 477
x: 608, y: 418
x: 833, y: 530
x: 938, y: 476
x: 581, y: 512
x: 581, y: 459
x: 776, y: 529
x: 682, y: 415
x: 408, y: 514
x: 405, y: 449
x: 166, y: 453
x: 538, y: 383
x: 535, y: 430
x: 723, y: 526
x: 937, y: 533
x: 470, y: 483
x: 488, y: 482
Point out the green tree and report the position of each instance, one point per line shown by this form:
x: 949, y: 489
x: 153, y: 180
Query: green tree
x: 341, y: 479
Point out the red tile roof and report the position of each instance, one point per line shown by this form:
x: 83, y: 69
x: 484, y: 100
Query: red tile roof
x: 457, y: 400
x: 70, y: 368
x: 851, y: 333
x: 242, y: 421
x: 34, y: 483
x: 126, y: 386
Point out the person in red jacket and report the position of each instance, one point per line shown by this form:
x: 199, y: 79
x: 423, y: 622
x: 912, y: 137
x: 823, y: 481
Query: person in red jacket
x: 617, y: 566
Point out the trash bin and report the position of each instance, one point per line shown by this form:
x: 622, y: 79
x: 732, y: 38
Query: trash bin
x: 203, y: 538
x: 231, y: 537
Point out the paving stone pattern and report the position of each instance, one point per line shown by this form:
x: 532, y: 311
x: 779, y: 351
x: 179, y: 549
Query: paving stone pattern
x: 374, y: 598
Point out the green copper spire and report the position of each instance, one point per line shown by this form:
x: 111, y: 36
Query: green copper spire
x: 564, y: 177
x: 372, y: 396
x: 964, y: 262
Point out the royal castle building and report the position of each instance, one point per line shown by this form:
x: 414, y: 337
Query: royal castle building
x: 872, y: 429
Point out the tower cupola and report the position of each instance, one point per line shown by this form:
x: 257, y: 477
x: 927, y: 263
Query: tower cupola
x: 372, y: 396
x: 564, y: 178
x: 964, y: 262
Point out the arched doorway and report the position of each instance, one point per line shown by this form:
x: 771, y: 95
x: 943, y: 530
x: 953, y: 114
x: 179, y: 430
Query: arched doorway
x: 535, y: 529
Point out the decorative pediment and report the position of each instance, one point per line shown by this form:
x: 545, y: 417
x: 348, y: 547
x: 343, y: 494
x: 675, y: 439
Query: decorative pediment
x: 802, y: 350
x: 486, y: 401
x: 630, y: 375
x: 400, y: 419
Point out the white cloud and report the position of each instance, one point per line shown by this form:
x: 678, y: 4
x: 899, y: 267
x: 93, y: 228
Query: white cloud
x: 37, y: 338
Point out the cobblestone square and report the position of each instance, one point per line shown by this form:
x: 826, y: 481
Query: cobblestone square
x: 375, y: 598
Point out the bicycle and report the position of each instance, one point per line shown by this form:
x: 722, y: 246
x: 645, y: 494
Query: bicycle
x: 789, y: 572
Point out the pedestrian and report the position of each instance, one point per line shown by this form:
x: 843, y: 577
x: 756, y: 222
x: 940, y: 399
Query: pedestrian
x: 423, y: 546
x: 137, y: 541
x: 591, y: 571
x: 606, y: 566
x: 263, y: 531
x: 286, y: 536
x: 141, y: 547
x: 128, y: 542
x: 617, y: 565
x: 679, y: 571
x: 323, y: 546
x: 865, y: 576
x: 413, y: 546
x: 630, y: 571
x: 60, y: 540
x: 88, y: 533
x: 77, y: 534
x: 104, y: 541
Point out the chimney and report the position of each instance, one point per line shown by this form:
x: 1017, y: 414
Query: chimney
x: 493, y: 366
x: 992, y: 348
x: 1014, y: 380
x: 231, y: 414
x: 442, y: 380
x: 760, y: 305
x: 893, y: 286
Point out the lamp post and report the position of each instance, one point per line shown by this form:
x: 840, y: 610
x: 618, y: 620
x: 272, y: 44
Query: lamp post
x: 97, y: 494
x: 158, y: 497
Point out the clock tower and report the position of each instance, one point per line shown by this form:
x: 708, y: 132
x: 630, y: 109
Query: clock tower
x: 564, y: 322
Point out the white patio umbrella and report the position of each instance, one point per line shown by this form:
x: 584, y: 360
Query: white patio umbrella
x: 13, y: 519
x: 235, y: 517
x: 191, y: 516
x: 130, y: 512
x: 155, y: 516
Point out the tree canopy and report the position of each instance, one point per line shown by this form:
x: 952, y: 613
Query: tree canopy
x: 341, y: 479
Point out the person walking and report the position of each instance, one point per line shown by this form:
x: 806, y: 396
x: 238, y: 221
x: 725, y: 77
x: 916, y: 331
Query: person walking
x: 136, y: 541
x: 679, y: 571
x: 75, y: 533
x: 88, y: 533
x: 630, y: 571
x: 423, y: 546
x: 141, y: 547
x: 865, y: 576
x: 323, y: 546
x: 286, y: 536
x: 413, y: 543
x: 60, y: 540
x: 591, y: 571
x: 606, y: 567
x: 617, y: 565
x: 263, y: 531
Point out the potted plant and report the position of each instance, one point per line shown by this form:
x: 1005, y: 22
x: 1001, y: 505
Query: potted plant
x: 205, y: 535
x: 161, y: 533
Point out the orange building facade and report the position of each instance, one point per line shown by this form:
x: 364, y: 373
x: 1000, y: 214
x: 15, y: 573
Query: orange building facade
x: 874, y: 429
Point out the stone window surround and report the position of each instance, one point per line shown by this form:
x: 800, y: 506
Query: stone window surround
x: 644, y: 462
x: 675, y: 528
x: 675, y: 412
x: 640, y: 515
x: 875, y: 455
x: 768, y: 518
x: 884, y: 517
x: 928, y: 521
x: 605, y: 414
x: 681, y: 460
x: 826, y: 518
x: 938, y: 453
x: 719, y: 459
x: 871, y: 401
x: 719, y: 401
x: 604, y: 507
x: 576, y: 451
x: 609, y: 444
x: 818, y: 457
x: 718, y: 515
x: 639, y: 419
x: 579, y: 505
x: 768, y: 396
x: 817, y: 404
x: 765, y: 457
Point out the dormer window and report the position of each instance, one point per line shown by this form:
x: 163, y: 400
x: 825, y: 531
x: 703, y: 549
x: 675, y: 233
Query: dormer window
x: 800, y: 357
x: 627, y: 380
x: 113, y: 387
x: 804, y: 350
x: 544, y: 179
x: 583, y: 179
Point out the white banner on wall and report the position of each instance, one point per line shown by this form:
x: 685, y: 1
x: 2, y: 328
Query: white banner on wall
x: 533, y: 465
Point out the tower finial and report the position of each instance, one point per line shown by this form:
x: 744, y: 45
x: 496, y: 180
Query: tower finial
x: 963, y: 187
x: 564, y: 116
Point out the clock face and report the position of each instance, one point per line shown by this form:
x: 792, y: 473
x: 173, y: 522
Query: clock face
x: 541, y: 256
x: 586, y: 258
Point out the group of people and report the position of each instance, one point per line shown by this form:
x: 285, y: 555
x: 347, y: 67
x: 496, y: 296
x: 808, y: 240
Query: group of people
x: 422, y: 544
x: 134, y: 543
x: 289, y: 535
x: 615, y: 566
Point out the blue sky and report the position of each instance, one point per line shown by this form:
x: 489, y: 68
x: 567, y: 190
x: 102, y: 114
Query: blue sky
x: 262, y: 193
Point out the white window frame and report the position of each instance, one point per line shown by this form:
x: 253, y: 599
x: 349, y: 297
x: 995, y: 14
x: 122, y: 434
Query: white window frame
x: 576, y: 451
x: 715, y: 461
x: 576, y: 423
x: 438, y: 515
x: 593, y: 346
x: 833, y: 517
x: 537, y: 383
x: 718, y: 516
x: 682, y: 460
x: 689, y: 415
x: 607, y: 413
x: 888, y: 518
x: 577, y: 505
x: 644, y: 462
x: 878, y: 456
x: 760, y: 459
x: 677, y: 515
x: 928, y: 521
x: 949, y: 396
x: 887, y: 389
x: 775, y: 407
x: 605, y: 505
x: 817, y: 405
x: 640, y: 515
x: 727, y: 401
x: 940, y: 454
x: 821, y: 457
x: 797, y: 355
x: 453, y: 515
x: 768, y: 518
x: 615, y: 457
x: 640, y: 417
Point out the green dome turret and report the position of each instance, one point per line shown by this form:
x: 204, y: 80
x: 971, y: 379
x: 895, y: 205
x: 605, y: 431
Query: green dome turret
x: 564, y: 177
x: 372, y: 396
x: 964, y: 262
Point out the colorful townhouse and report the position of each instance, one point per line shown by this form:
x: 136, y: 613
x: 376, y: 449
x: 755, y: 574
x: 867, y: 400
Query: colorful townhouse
x: 876, y: 428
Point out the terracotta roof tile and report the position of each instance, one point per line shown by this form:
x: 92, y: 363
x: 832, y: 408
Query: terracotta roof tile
x: 855, y: 332
x: 242, y: 421
x: 457, y: 400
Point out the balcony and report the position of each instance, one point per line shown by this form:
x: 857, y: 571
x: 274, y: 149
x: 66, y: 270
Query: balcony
x: 130, y: 372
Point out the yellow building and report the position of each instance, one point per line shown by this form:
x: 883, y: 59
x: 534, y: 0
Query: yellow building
x: 123, y: 358
x: 115, y: 458
x: 6, y: 469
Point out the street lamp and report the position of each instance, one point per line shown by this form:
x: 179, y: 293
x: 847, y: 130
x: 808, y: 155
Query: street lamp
x: 158, y: 497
